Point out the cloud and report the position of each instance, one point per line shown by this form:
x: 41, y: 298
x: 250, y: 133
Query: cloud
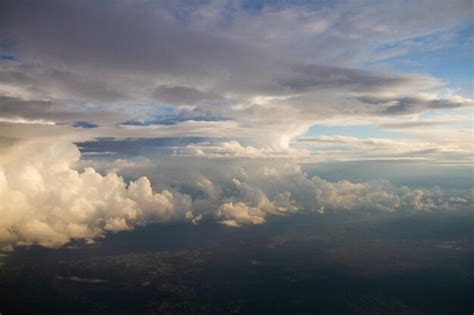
x: 213, y: 96
x: 350, y: 140
x: 81, y: 50
x: 379, y: 195
x: 233, y: 149
x: 240, y: 213
x: 411, y: 105
x: 45, y: 201
x: 221, y: 69
x: 415, y: 124
x: 17, y: 110
x: 29, y: 79
x: 183, y: 95
x: 18, y: 120
x: 336, y: 147
x: 348, y: 32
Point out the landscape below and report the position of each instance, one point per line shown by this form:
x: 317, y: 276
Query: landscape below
x: 306, y: 263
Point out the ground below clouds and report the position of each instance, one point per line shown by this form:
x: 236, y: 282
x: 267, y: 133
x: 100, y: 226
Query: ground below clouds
x: 326, y: 264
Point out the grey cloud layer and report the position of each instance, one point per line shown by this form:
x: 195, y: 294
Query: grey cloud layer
x: 48, y: 110
x: 231, y: 71
x: 348, y: 32
x: 108, y: 53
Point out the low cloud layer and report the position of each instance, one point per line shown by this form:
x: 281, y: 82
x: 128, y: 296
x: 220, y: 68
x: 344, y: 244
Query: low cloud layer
x: 46, y: 201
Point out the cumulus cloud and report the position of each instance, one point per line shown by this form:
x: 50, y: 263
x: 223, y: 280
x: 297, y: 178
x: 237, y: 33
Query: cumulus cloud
x: 379, y: 195
x: 45, y: 201
x: 240, y: 213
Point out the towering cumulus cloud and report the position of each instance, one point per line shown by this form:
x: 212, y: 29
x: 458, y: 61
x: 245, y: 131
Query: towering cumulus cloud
x: 45, y: 201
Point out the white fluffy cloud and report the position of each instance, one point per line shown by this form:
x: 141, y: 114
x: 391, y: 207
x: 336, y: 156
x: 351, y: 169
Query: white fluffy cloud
x: 378, y: 195
x: 240, y: 213
x: 45, y: 201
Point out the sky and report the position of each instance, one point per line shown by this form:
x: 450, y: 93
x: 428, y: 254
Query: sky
x: 115, y: 114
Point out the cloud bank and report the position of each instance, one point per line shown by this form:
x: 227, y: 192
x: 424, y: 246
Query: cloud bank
x: 47, y: 201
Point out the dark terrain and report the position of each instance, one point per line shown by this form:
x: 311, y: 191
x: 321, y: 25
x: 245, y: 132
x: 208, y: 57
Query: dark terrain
x: 302, y: 264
